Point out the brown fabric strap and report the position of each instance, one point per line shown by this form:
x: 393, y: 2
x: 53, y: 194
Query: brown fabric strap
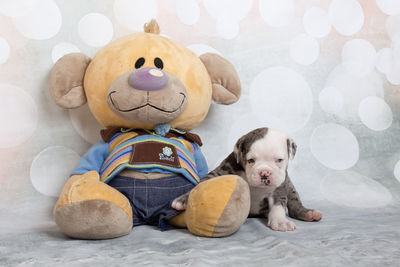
x: 107, y: 134
x: 194, y: 138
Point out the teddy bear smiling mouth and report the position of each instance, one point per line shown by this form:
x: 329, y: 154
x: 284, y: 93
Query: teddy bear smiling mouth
x: 116, y: 106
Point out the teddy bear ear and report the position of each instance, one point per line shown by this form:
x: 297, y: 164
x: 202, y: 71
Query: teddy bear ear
x: 224, y: 78
x: 66, y: 80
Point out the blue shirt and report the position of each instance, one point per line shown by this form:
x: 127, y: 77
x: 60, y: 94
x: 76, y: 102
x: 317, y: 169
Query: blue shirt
x: 95, y: 157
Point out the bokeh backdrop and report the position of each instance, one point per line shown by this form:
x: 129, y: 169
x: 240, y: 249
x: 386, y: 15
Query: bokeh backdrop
x: 325, y: 71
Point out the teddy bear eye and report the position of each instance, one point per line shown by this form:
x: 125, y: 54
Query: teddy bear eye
x: 139, y: 62
x: 158, y: 63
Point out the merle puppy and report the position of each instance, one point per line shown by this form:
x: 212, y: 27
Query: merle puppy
x: 261, y: 158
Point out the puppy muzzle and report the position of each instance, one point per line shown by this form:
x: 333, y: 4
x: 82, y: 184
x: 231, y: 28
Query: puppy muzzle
x: 266, y: 176
x: 265, y: 180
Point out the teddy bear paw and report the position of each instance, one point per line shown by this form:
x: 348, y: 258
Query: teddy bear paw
x: 92, y: 219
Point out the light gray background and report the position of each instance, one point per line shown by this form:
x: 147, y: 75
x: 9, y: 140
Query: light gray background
x: 325, y: 71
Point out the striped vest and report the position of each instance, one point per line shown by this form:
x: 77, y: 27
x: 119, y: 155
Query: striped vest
x: 149, y: 153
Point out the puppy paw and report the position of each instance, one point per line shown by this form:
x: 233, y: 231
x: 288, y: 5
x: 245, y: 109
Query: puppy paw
x: 313, y: 215
x: 282, y: 225
x: 180, y: 202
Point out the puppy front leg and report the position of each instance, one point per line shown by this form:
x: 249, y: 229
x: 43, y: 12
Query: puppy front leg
x: 296, y: 209
x: 277, y: 218
x: 180, y: 202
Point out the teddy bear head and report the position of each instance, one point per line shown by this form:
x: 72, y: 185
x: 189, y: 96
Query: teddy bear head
x: 145, y: 79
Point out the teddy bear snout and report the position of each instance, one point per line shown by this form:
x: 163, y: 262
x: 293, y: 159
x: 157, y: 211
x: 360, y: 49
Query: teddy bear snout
x: 148, y: 79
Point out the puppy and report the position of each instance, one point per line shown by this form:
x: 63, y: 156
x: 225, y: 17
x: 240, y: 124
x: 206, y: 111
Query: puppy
x: 261, y: 158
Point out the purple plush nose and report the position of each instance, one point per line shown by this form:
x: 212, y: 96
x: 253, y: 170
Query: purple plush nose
x: 148, y: 79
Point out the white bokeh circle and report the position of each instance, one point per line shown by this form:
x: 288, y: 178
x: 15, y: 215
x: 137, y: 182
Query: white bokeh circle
x: 227, y: 26
x: 304, y: 49
x: 393, y: 75
x: 388, y: 62
x: 353, y: 89
x: 85, y: 124
x: 133, y: 14
x: 95, y: 29
x: 20, y: 116
x: 281, y: 99
x: 396, y: 171
x: 241, y: 126
x: 375, y: 113
x: 393, y: 66
x: 358, y: 57
x: 228, y: 13
x: 384, y: 60
x: 237, y: 9
x: 389, y: 7
x: 188, y: 11
x: 392, y: 27
x: 4, y: 50
x: 331, y: 100
x: 200, y: 49
x: 351, y: 189
x: 346, y: 16
x: 277, y: 13
x: 396, y: 52
x: 316, y: 22
x: 42, y: 22
x: 51, y: 168
x: 61, y: 49
x: 16, y: 8
x: 334, y: 146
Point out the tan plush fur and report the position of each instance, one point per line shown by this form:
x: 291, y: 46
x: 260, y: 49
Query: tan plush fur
x: 88, y: 208
x: 180, y: 61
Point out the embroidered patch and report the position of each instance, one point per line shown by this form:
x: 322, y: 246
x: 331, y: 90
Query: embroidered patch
x: 154, y: 153
x: 167, y: 151
x: 166, y: 154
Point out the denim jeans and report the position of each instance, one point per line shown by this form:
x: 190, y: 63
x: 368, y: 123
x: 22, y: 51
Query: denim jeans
x: 151, y: 199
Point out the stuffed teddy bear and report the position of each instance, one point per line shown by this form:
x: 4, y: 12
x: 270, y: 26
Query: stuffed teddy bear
x: 148, y: 91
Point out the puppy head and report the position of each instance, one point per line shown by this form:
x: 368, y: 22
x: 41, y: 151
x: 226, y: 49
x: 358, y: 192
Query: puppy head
x: 264, y: 155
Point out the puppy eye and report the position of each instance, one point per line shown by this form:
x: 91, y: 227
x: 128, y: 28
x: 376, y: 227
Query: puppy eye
x: 139, y: 62
x: 158, y: 63
x: 279, y: 160
x: 251, y: 161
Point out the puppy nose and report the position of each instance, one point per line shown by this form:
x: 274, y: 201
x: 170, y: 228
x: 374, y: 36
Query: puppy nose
x: 148, y: 79
x: 265, y: 174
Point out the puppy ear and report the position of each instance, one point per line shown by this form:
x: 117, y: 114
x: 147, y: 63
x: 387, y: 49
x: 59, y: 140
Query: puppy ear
x: 224, y: 78
x: 66, y: 80
x: 238, y: 149
x: 236, y: 153
x: 292, y: 147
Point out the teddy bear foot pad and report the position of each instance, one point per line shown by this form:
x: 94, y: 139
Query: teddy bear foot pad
x: 93, y: 219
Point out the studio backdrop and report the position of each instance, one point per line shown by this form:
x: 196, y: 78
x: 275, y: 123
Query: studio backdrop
x: 327, y: 72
